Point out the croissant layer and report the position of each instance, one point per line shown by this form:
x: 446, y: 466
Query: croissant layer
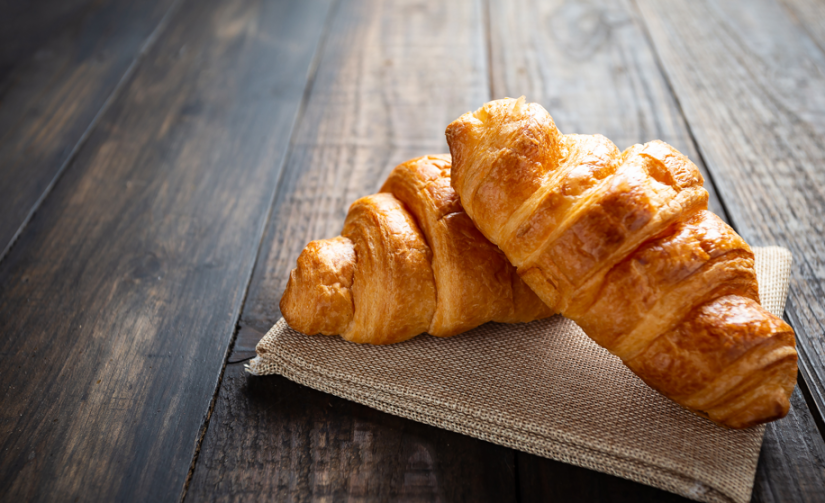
x: 623, y: 244
x: 409, y: 260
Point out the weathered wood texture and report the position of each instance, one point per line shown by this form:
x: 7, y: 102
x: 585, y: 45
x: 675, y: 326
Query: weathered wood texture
x: 26, y: 26
x: 391, y: 77
x: 792, y: 460
x: 591, y: 65
x: 810, y: 16
x: 750, y: 82
x: 542, y: 479
x: 60, y: 61
x: 120, y: 299
x: 592, y: 68
x: 271, y: 439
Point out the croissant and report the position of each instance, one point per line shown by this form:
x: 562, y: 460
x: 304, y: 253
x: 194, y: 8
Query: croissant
x: 623, y: 244
x: 409, y: 260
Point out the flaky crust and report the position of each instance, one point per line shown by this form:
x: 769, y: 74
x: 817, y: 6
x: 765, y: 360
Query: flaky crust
x: 409, y: 260
x: 623, y: 244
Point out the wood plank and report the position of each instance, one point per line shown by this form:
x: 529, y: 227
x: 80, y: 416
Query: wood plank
x: 808, y: 15
x: 297, y: 443
x: 542, y: 479
x: 60, y: 61
x: 592, y: 67
x: 26, y: 26
x: 750, y: 82
x: 119, y: 301
x: 792, y: 460
x: 393, y: 74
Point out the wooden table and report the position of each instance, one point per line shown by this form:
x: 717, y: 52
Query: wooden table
x: 163, y: 162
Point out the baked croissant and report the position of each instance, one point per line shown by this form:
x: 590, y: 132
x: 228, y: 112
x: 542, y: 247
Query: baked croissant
x: 623, y: 244
x: 409, y: 260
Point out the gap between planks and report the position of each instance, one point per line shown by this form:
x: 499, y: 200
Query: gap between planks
x: 124, y: 79
x: 310, y: 81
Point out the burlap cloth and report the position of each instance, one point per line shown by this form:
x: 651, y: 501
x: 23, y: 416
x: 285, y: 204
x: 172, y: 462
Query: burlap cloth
x: 542, y: 387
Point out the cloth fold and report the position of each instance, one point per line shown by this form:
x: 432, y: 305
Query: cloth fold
x: 544, y: 388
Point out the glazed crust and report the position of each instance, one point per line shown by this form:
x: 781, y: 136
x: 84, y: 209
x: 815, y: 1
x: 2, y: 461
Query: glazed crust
x: 401, y: 267
x: 623, y: 244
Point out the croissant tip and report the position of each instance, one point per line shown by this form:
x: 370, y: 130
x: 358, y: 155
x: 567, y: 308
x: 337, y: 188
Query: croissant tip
x: 780, y: 410
x: 317, y: 298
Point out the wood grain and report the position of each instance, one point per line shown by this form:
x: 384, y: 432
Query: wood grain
x: 271, y: 439
x: 542, y: 479
x: 792, y: 460
x: 808, y: 15
x: 120, y: 299
x: 591, y: 66
x: 26, y: 26
x: 60, y: 61
x: 391, y: 76
x: 750, y: 82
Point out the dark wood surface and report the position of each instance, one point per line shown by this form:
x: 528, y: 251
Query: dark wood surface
x: 120, y: 298
x: 61, y: 61
x: 364, y: 115
x: 176, y: 156
x: 591, y: 66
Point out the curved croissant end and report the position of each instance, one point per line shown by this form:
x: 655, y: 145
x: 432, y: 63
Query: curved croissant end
x: 623, y: 244
x: 318, y: 297
x: 401, y: 267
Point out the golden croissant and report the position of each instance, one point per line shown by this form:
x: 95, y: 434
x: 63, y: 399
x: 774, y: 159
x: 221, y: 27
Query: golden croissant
x: 409, y: 260
x: 623, y: 244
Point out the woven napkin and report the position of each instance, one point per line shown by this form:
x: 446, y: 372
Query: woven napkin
x: 542, y: 387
